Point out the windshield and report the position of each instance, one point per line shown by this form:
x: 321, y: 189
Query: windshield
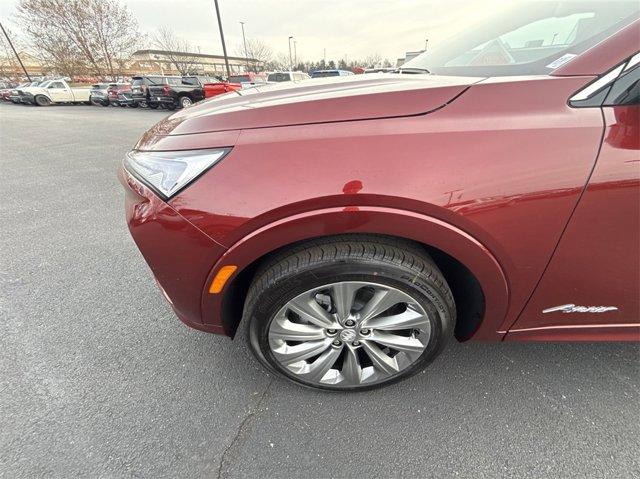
x: 530, y: 38
x: 239, y: 79
x: 279, y: 77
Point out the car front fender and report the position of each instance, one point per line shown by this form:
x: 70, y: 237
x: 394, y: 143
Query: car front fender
x: 368, y: 220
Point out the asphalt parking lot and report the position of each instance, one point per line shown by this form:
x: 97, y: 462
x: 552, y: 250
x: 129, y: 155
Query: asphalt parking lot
x: 99, y: 379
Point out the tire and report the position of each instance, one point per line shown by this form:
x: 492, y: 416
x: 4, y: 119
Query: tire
x: 170, y: 107
x: 133, y: 105
x: 185, y: 102
x: 372, y: 267
x: 153, y: 106
x: 104, y: 103
x: 42, y: 100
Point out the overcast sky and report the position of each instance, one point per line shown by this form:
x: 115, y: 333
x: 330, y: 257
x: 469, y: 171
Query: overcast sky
x: 352, y: 28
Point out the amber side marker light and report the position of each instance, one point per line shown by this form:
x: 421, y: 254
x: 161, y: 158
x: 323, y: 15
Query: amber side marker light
x: 221, y: 278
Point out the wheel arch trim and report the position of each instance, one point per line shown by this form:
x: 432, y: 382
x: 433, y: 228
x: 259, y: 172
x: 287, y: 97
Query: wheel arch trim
x: 369, y: 220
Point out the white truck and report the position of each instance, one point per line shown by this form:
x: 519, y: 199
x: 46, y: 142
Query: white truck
x: 54, y: 91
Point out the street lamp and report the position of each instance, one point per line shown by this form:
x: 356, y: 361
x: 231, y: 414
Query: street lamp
x: 224, y: 47
x: 290, y: 58
x: 244, y: 40
x: 295, y: 52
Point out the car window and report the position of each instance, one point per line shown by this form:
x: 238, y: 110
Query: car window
x: 625, y: 90
x: 190, y: 81
x: 174, y: 81
x: 154, y: 80
x: 56, y: 84
x: 323, y: 74
x: 239, y: 79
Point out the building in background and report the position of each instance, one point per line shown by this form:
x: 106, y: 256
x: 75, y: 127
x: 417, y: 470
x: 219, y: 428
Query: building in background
x: 163, y: 62
x: 408, y: 56
x: 141, y: 62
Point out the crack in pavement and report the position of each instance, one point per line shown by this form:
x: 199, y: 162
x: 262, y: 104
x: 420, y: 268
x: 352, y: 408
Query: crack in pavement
x: 244, y: 426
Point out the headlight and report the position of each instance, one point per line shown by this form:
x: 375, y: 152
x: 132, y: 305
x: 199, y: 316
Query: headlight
x: 167, y: 172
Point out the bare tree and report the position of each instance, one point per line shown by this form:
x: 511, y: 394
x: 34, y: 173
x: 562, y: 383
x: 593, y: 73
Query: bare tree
x: 372, y: 61
x: 258, y: 54
x: 77, y: 35
x: 115, y: 33
x: 176, y: 50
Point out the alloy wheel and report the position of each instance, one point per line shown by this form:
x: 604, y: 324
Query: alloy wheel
x: 349, y: 334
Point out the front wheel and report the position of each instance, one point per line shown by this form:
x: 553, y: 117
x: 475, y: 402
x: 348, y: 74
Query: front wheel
x: 42, y: 100
x: 349, y: 313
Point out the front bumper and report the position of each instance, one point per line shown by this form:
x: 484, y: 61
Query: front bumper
x: 179, y: 254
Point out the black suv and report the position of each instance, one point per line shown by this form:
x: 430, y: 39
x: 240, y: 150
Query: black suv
x: 188, y: 91
x: 140, y: 86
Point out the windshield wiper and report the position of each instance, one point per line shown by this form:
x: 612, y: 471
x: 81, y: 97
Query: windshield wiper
x: 412, y: 70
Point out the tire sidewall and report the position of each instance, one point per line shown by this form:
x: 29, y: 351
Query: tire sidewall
x: 263, y: 308
x: 185, y: 99
x: 42, y: 100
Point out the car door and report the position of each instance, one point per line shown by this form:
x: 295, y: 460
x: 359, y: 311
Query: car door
x: 591, y: 288
x: 58, y: 93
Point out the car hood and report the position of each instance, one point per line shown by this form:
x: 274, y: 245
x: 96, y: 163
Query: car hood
x: 324, y: 100
x: 32, y: 89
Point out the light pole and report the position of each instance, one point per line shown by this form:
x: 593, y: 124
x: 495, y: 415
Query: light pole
x: 290, y: 58
x: 295, y: 53
x: 244, y: 40
x: 224, y: 47
x: 15, y: 52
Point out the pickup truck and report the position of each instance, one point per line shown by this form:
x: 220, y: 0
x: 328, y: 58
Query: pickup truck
x: 186, y: 92
x: 140, y: 94
x: 54, y: 91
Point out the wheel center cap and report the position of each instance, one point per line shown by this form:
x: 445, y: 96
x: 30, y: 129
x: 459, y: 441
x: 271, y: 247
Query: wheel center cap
x: 348, y: 335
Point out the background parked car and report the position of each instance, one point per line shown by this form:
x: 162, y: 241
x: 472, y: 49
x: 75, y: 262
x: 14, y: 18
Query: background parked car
x: 218, y: 88
x: 98, y: 93
x: 188, y: 91
x: 116, y: 91
x: 380, y: 70
x: 277, y: 77
x: 14, y: 95
x: 248, y: 79
x: 330, y: 73
x: 55, y: 91
x: 140, y: 95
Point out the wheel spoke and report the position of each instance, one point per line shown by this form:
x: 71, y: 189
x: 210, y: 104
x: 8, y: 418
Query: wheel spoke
x: 315, y: 342
x: 351, y: 369
x: 382, y: 300
x: 320, y: 366
x: 401, y: 343
x: 309, y: 310
x: 292, y: 354
x: 380, y: 360
x: 282, y: 328
x: 407, y: 320
x: 343, y: 295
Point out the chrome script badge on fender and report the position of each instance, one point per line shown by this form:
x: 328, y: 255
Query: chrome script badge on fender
x: 572, y: 308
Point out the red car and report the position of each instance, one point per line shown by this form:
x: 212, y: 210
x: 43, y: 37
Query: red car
x: 489, y: 190
x: 235, y: 83
x: 115, y: 92
x: 214, y: 89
